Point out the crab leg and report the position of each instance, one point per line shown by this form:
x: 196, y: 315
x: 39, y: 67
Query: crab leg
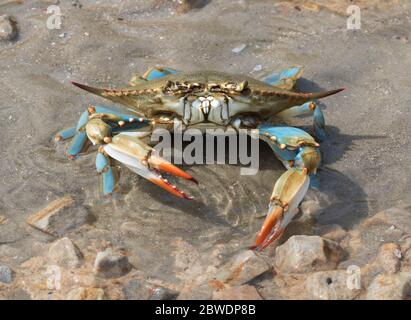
x: 79, y: 136
x: 308, y: 108
x: 65, y: 134
x: 286, y: 79
x: 103, y: 167
x: 299, y: 153
x: 119, y: 122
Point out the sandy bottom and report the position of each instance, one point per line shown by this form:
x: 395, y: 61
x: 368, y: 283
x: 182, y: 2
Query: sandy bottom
x: 366, y: 159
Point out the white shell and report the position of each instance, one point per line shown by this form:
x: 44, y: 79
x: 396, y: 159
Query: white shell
x: 196, y: 103
x: 215, y: 103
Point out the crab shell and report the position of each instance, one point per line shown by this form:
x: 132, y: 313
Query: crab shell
x: 206, y: 97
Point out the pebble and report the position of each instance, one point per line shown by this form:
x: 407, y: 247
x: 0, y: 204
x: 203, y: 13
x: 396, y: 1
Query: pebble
x: 239, y: 48
x: 111, y: 265
x: 257, y: 68
x: 243, y: 268
x: 86, y: 294
x: 389, y: 257
x: 137, y: 289
x: 330, y: 285
x: 244, y: 292
x: 8, y: 28
x: 6, y: 274
x: 64, y: 253
x: 390, y: 287
x: 307, y: 253
x: 60, y: 216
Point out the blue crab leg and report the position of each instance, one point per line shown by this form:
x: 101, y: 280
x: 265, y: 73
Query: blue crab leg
x: 77, y: 144
x: 123, y: 122
x: 103, y: 167
x: 319, y: 124
x: 79, y: 136
x: 157, y: 73
x: 65, y: 134
x: 286, y: 79
x: 299, y: 153
x: 308, y: 108
x: 119, y: 116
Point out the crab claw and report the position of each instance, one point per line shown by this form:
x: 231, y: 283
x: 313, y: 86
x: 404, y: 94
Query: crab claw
x: 138, y: 157
x: 165, y: 166
x: 166, y: 185
x: 288, y: 192
x: 270, y: 230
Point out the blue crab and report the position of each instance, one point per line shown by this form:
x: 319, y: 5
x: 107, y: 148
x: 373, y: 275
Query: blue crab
x: 205, y: 99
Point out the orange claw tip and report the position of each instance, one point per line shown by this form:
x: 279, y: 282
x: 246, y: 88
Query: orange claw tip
x: 163, y: 183
x: 267, y: 233
x: 166, y: 166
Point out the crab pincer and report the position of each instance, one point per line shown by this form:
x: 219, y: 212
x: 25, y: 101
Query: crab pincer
x: 288, y: 192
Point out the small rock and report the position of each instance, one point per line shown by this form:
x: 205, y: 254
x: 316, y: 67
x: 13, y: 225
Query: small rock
x: 239, y: 48
x: 242, y: 268
x: 184, y: 6
x: 64, y: 253
x: 307, y: 253
x: 400, y: 217
x: 332, y: 232
x: 330, y: 285
x: 389, y: 258
x: 60, y: 216
x: 86, y: 294
x: 390, y: 287
x: 245, y: 292
x: 3, y: 220
x: 137, y: 289
x: 111, y: 265
x: 6, y: 274
x: 8, y: 28
x: 311, y: 6
x: 196, y: 291
x: 257, y: 68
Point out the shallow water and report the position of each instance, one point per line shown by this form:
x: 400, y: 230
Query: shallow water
x: 366, y: 159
